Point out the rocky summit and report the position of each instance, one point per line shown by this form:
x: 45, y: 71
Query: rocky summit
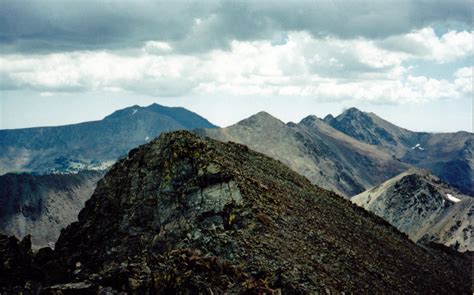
x: 183, y: 214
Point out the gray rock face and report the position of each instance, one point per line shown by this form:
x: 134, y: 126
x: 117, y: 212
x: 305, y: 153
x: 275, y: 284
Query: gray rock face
x: 215, y: 197
x: 422, y: 206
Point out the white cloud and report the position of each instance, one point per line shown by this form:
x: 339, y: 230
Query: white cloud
x: 157, y: 47
x: 425, y: 44
x: 464, y: 80
x: 323, y: 68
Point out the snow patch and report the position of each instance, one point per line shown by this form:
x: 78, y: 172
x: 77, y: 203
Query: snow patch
x: 134, y: 111
x: 417, y: 146
x: 453, y: 199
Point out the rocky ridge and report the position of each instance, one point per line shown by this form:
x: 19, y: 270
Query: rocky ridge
x: 422, y: 206
x: 185, y: 214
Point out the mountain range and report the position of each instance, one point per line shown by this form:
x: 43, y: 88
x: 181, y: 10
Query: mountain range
x: 422, y: 206
x: 448, y: 155
x: 183, y: 214
x: 324, y: 155
x: 91, y: 145
x: 354, y: 151
x: 348, y: 154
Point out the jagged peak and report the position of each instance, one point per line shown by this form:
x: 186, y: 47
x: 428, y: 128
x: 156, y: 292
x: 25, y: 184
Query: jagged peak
x: 351, y: 112
x: 355, y: 113
x: 328, y: 118
x: 311, y: 119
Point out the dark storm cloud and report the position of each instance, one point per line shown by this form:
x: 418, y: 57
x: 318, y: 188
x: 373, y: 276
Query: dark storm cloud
x: 44, y: 26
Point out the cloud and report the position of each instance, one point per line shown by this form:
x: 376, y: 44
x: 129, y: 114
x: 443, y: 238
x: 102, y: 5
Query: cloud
x: 463, y: 80
x: 325, y: 69
x: 424, y: 43
x: 157, y: 47
x: 56, y: 26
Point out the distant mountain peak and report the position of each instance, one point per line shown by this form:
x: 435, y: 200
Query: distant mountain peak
x: 261, y: 117
x: 92, y: 144
x: 264, y: 115
x: 310, y: 120
x: 362, y: 126
x: 328, y: 119
x: 353, y: 111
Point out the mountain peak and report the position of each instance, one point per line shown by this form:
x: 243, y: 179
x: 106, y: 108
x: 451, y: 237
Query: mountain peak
x: 329, y: 118
x: 352, y: 111
x: 311, y: 119
x: 125, y: 112
x: 264, y: 115
x: 260, y: 118
x: 187, y: 118
x: 363, y: 127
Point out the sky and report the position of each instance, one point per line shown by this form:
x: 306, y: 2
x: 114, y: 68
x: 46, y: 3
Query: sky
x: 410, y: 62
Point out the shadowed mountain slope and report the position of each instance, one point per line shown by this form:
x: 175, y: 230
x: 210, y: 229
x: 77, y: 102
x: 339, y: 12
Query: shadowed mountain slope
x: 42, y: 205
x: 422, y: 206
x: 185, y: 214
x: 90, y: 145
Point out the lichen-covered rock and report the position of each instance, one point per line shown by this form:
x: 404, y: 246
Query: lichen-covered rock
x: 189, y: 215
